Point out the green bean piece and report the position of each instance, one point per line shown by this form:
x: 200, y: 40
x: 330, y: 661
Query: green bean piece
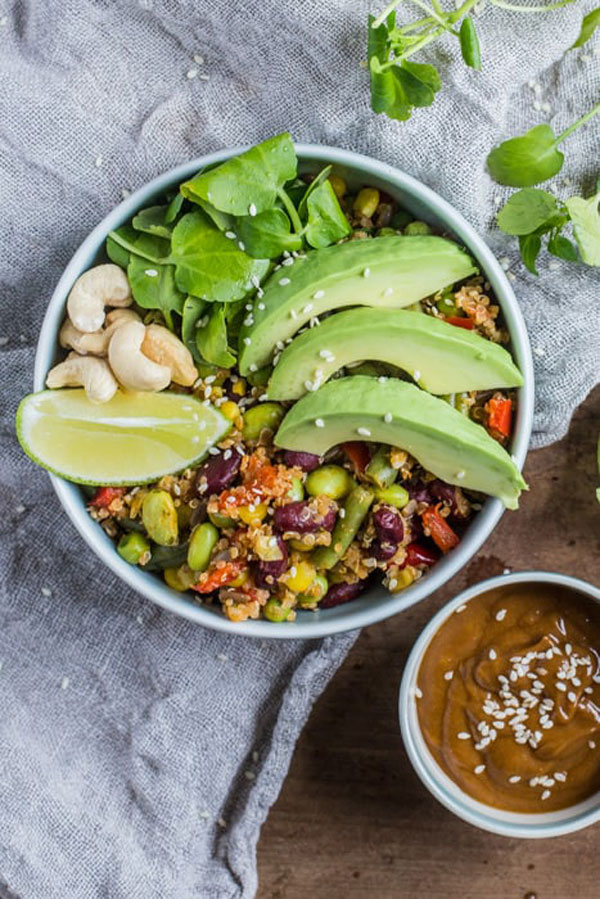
x: 264, y: 416
x: 393, y: 496
x: 166, y: 557
x: 417, y: 228
x: 221, y: 521
x: 469, y: 43
x: 132, y: 547
x: 275, y: 611
x: 329, y: 480
x: 296, y: 491
x: 315, y: 592
x: 379, y: 470
x: 446, y: 304
x: 160, y: 517
x: 131, y: 524
x: 355, y: 510
x: 202, y: 542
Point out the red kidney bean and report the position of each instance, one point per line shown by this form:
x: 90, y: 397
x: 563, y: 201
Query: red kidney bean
x: 218, y: 472
x: 417, y: 554
x: 305, y: 461
x: 265, y: 571
x: 388, y: 524
x: 302, y: 519
x: 421, y: 492
x: 383, y: 551
x: 340, y: 593
x: 447, y: 493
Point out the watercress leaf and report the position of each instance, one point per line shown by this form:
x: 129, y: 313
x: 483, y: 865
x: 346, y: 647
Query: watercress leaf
x: 153, y: 286
x: 148, y: 246
x: 326, y: 221
x: 586, y: 226
x: 526, y: 160
x: 211, y: 340
x: 153, y: 221
x: 314, y: 184
x: 222, y: 220
x: 174, y: 208
x: 527, y: 210
x: 210, y: 265
x: 530, y: 245
x: 469, y: 43
x: 562, y: 247
x: 116, y: 253
x: 251, y: 179
x: 387, y: 93
x: 295, y: 190
x: 421, y: 81
x: 267, y: 234
x: 191, y: 315
x: 588, y: 26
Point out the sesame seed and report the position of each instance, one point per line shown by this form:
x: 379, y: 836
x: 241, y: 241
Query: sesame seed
x: 261, y: 306
x: 151, y: 272
x: 98, y: 160
x: 249, y: 775
x: 501, y: 615
x: 232, y: 236
x: 191, y: 73
x: 387, y: 417
x: 319, y: 422
x: 568, y: 649
x: 418, y: 692
x: 318, y: 295
x: 393, y: 584
x: 288, y: 261
x: 46, y: 591
x: 460, y: 475
x: 493, y: 654
x: 388, y: 291
x: 241, y: 245
x: 293, y: 314
x: 463, y: 735
x: 64, y: 683
x: 342, y: 513
x: 546, y: 795
x: 198, y: 59
x: 571, y: 696
x: 284, y: 281
x: 222, y: 822
x: 479, y: 769
x: 308, y: 308
x: 204, y: 814
x: 364, y: 432
x: 534, y: 782
x: 20, y: 509
x: 514, y: 779
x: 417, y: 374
x: 460, y: 609
x: 366, y: 273
x: 560, y: 776
x: 591, y: 744
x: 448, y: 675
x: 247, y: 341
x: 252, y: 209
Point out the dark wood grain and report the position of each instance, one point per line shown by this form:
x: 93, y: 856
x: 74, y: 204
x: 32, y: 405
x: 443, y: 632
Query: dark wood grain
x: 352, y: 819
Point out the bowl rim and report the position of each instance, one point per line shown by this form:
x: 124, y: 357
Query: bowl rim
x: 521, y: 825
x: 362, y: 611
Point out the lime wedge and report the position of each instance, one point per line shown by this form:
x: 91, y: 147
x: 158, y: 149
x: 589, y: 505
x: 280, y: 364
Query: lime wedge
x: 135, y: 438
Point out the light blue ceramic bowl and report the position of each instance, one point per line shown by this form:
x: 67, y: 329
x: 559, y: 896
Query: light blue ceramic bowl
x: 508, y: 824
x: 377, y: 603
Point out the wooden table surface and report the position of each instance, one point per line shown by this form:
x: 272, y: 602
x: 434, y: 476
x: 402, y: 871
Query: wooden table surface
x: 352, y: 819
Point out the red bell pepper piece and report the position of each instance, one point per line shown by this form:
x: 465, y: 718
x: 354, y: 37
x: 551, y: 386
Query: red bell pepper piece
x: 499, y: 410
x: 358, y: 453
x: 417, y: 554
x: 440, y: 531
x: 461, y: 322
x: 219, y: 577
x: 104, y: 496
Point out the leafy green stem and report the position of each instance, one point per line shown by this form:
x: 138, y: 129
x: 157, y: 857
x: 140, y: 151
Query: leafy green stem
x: 515, y: 7
x: 134, y: 248
x: 427, y: 39
x: 437, y: 13
x: 168, y: 319
x: 383, y: 16
x: 291, y: 210
x: 584, y: 118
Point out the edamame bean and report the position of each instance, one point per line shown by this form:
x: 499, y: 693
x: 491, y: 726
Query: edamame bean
x: 329, y: 480
x: 221, y: 521
x: 132, y: 547
x: 356, y: 507
x: 395, y: 495
x: 315, y: 592
x: 380, y: 470
x: 275, y: 611
x: 296, y: 491
x: 159, y: 516
x: 202, y: 543
x: 264, y: 416
x: 366, y: 202
x: 338, y: 184
x: 180, y: 579
x: 417, y: 228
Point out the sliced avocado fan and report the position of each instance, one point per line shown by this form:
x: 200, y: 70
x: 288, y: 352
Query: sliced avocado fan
x: 440, y: 357
x: 388, y: 272
x: 447, y: 444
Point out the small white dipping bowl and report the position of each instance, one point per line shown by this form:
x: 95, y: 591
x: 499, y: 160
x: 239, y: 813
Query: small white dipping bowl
x: 377, y: 603
x: 505, y: 823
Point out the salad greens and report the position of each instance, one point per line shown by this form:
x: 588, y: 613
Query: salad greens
x: 588, y: 26
x: 206, y: 250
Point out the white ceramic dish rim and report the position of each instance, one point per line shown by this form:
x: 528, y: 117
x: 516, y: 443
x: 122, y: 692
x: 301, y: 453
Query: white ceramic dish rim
x: 377, y: 604
x: 508, y: 824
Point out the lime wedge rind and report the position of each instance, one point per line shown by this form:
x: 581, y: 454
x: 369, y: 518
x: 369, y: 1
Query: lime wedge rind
x: 121, y: 443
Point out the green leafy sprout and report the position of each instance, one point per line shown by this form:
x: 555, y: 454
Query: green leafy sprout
x: 399, y: 85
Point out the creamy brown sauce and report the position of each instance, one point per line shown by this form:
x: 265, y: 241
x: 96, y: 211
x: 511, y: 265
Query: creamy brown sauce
x: 510, y: 705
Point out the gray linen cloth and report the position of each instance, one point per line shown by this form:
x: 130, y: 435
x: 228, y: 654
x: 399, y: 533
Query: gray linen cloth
x: 139, y: 754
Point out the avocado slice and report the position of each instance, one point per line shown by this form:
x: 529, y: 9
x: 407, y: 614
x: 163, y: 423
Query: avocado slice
x: 386, y: 271
x: 387, y: 410
x: 441, y: 357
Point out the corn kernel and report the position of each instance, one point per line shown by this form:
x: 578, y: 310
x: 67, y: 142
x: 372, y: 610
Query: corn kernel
x: 366, y: 202
x: 404, y: 579
x: 300, y: 581
x: 240, y: 579
x: 338, y: 184
x: 253, y: 515
x: 230, y: 410
x: 239, y: 388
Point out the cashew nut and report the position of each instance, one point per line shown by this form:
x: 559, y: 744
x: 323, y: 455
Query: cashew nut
x: 163, y: 347
x: 130, y: 366
x: 93, y: 374
x: 104, y: 285
x: 95, y: 343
